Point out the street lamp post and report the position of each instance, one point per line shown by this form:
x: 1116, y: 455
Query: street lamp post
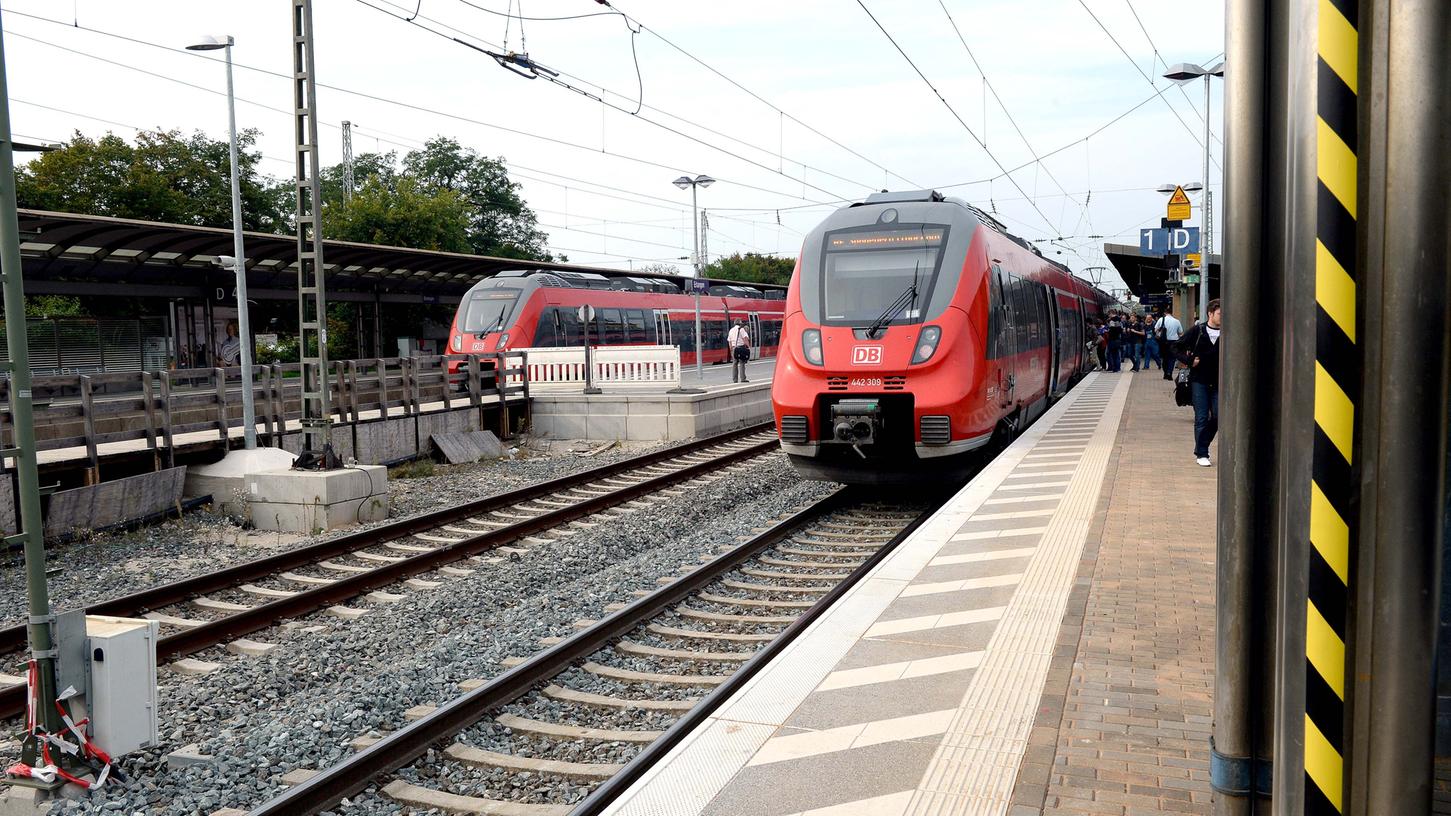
x: 1184, y: 72
x: 239, y: 258
x: 694, y: 183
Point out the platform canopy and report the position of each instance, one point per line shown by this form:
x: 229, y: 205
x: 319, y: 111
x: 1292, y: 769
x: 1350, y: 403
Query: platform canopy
x: 1147, y: 274
x: 70, y: 254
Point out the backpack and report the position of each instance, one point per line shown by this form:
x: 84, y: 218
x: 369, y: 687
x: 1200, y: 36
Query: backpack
x: 1161, y: 331
x: 1183, y: 394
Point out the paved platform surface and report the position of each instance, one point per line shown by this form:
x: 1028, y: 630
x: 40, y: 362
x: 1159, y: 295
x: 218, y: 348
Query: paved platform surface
x: 1043, y: 645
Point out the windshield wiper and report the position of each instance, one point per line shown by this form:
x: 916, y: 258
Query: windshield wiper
x: 908, y: 296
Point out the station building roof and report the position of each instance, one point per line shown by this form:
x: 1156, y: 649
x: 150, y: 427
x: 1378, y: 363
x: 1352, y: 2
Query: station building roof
x: 71, y: 254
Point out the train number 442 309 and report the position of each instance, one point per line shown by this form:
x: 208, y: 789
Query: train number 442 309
x: 866, y: 382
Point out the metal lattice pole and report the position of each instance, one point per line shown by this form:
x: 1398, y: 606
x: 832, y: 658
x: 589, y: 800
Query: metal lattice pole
x: 311, y: 292
x: 348, y: 169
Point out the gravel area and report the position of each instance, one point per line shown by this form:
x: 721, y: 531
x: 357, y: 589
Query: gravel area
x: 96, y: 567
x: 300, y: 706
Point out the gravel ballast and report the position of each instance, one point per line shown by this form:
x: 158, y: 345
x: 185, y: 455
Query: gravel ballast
x: 301, y: 705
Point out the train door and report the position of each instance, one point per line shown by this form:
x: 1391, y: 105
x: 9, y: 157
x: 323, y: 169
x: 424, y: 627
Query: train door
x: 662, y: 328
x: 1006, y: 337
x: 1055, y: 337
x: 754, y: 325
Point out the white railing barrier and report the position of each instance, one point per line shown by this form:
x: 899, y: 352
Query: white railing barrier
x: 615, y: 367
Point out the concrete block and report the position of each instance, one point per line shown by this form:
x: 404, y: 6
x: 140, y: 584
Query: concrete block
x: 604, y: 426
x: 187, y: 756
x: 569, y: 426
x: 193, y: 667
x: 308, y: 501
x: 346, y: 612
x: 678, y: 427
x: 250, y: 648
x: 298, y: 776
x: 651, y: 428
x: 608, y: 405
x: 452, y: 421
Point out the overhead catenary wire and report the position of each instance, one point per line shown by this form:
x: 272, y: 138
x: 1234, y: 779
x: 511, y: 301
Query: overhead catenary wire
x: 1142, y: 73
x: 407, y: 106
x: 1003, y: 106
x: 955, y: 115
x: 551, y: 76
x: 1160, y: 58
x: 702, y: 63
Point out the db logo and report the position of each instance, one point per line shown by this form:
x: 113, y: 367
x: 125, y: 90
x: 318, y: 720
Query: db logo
x: 866, y: 355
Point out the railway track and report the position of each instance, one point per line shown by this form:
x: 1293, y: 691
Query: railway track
x: 592, y: 711
x: 375, y: 566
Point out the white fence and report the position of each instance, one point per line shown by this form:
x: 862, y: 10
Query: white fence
x: 615, y: 367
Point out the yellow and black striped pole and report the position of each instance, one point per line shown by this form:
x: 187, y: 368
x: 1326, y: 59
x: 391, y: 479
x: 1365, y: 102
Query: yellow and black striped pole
x: 1337, y: 392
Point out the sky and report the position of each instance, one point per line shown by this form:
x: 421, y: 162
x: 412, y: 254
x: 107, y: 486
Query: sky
x: 1061, y: 125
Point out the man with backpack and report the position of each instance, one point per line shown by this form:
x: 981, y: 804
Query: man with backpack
x: 1168, y: 330
x: 1199, y: 350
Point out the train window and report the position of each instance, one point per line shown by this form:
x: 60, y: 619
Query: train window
x: 864, y: 272
x: 996, y: 309
x: 684, y: 333
x: 488, y: 310
x: 635, y: 324
x: 715, y: 334
x: 571, y: 330
x: 612, y: 327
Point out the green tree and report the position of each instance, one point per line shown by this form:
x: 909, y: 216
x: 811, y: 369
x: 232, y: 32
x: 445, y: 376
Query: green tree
x: 403, y: 215
x: 752, y: 268
x: 500, y: 223
x: 53, y: 306
x: 164, y: 176
x: 660, y: 269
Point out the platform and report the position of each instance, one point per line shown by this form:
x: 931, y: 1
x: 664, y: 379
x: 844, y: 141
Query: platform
x: 1043, y: 645
x: 657, y: 415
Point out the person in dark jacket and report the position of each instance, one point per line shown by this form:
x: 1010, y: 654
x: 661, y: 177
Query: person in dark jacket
x: 1199, y: 350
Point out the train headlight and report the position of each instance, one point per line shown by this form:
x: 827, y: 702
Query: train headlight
x: 456, y: 343
x: 503, y: 342
x: 926, y: 344
x: 811, y: 346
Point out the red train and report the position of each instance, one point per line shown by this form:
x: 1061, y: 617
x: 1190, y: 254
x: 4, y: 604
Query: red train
x: 918, y: 330
x: 528, y: 309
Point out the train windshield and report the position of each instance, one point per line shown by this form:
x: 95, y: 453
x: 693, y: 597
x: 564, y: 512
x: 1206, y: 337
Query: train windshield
x: 488, y: 311
x: 866, y: 272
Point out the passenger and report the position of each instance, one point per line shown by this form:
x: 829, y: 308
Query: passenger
x: 1199, y: 349
x: 739, y: 341
x: 1101, y: 344
x: 1090, y: 343
x: 1151, y: 345
x: 1134, y: 335
x: 1168, y: 331
x: 1114, y: 334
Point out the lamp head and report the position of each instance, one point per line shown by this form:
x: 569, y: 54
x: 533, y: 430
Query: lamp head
x: 211, y: 42
x: 1165, y: 188
x: 683, y: 182
x: 703, y: 180
x: 1193, y: 187
x: 1185, y: 71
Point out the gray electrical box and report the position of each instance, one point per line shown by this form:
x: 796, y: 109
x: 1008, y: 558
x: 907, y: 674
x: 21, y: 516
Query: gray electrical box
x: 121, y: 701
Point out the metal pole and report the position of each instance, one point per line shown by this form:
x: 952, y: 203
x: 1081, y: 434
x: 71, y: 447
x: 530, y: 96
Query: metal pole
x: 695, y: 232
x: 239, y: 266
x: 311, y: 270
x: 589, y: 363
x: 1208, y: 240
x: 42, y: 649
x: 1245, y: 538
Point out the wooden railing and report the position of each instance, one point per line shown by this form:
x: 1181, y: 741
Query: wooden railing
x: 91, y: 410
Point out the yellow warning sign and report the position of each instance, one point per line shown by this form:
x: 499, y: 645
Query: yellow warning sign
x: 1192, y: 260
x: 1179, y: 205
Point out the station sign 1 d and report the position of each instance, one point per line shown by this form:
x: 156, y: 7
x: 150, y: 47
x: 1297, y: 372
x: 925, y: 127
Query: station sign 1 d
x: 1177, y: 240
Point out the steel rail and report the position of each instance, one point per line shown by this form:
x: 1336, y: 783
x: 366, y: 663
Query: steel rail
x: 13, y: 638
x: 12, y: 698
x: 602, y: 796
x: 329, y: 787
